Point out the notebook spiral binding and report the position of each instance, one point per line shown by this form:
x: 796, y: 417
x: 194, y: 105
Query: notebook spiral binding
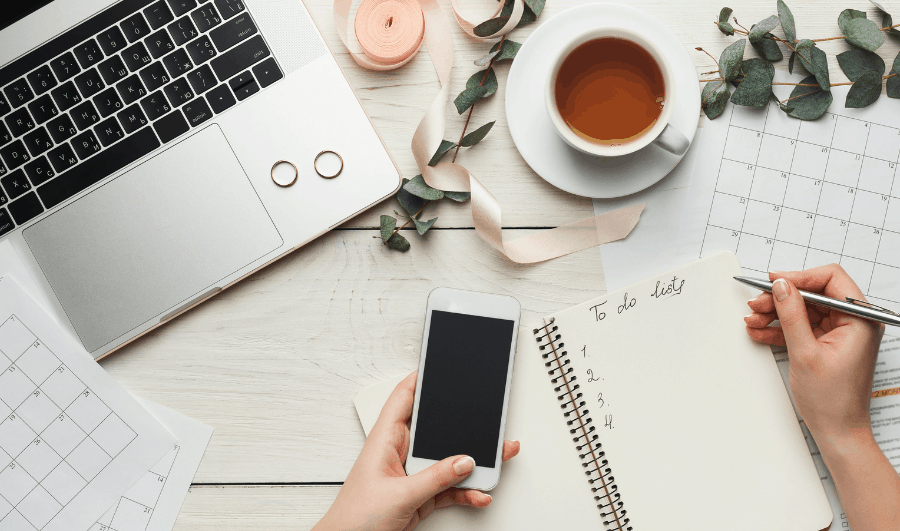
x: 600, y: 477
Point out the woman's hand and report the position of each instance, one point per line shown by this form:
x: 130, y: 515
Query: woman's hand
x: 832, y: 354
x: 378, y: 495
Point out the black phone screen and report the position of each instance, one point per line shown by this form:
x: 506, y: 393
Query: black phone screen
x: 463, y: 384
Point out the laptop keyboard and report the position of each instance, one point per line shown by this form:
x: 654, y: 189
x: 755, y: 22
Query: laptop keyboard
x: 115, y: 88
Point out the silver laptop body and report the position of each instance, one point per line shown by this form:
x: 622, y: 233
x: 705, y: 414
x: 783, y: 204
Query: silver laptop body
x: 137, y: 141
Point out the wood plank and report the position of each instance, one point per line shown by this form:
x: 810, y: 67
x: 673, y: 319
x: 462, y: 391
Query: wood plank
x: 239, y: 508
x: 274, y: 362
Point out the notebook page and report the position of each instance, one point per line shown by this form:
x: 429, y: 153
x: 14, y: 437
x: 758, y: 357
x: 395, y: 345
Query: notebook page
x: 694, y: 418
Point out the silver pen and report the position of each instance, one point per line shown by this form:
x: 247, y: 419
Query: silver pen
x: 852, y: 306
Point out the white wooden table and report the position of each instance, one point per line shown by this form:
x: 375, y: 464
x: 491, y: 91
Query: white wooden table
x: 274, y: 362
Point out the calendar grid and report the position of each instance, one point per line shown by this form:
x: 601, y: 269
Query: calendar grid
x: 57, y: 433
x: 791, y: 194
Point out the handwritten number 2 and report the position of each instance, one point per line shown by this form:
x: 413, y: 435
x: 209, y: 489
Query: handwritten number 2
x: 591, y: 378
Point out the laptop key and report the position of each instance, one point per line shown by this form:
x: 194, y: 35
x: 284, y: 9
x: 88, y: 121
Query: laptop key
x: 18, y: 93
x: 108, y: 102
x: 136, y: 56
x: 177, y: 63
x: 206, y: 17
x: 26, y: 208
x: 112, y: 70
x: 4, y: 106
x: 135, y: 27
x: 246, y: 89
x: 41, y: 80
x: 89, y: 83
x: 65, y: 67
x: 88, y: 53
x: 240, y: 57
x: 85, y: 115
x: 42, y: 109
x: 158, y: 14
x: 220, y: 98
x: 155, y: 105
x: 15, y: 184
x: 5, y: 135
x: 182, y: 30
x: 61, y: 128
x: 180, y: 7
x: 179, y: 92
x: 85, y: 145
x: 99, y: 167
x: 3, y: 198
x: 201, y: 50
x: 232, y: 32
x: 267, y: 72
x: 171, y: 126
x: 159, y: 44
x: 37, y: 141
x: 14, y: 155
x: 131, y: 89
x: 62, y: 158
x: 154, y: 76
x: 201, y: 79
x: 229, y: 8
x: 109, y: 132
x: 66, y: 96
x: 132, y: 119
x: 6, y: 222
x: 39, y: 171
x: 19, y: 122
x: 112, y: 41
x: 197, y: 112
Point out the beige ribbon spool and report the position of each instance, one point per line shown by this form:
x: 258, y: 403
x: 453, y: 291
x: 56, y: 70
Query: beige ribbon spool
x: 389, y: 33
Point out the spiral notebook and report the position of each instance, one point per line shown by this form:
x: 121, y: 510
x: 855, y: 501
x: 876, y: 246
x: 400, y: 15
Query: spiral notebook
x: 649, y: 409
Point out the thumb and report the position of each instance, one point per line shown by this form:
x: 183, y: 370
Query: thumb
x: 791, y: 309
x: 438, y: 477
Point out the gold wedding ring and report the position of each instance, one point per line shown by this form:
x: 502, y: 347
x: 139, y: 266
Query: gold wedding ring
x: 283, y: 185
x: 316, y: 164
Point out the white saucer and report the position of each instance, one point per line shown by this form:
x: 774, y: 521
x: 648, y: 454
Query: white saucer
x: 537, y: 139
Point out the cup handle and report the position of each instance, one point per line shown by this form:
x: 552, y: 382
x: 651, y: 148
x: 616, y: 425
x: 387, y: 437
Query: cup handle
x: 673, y: 141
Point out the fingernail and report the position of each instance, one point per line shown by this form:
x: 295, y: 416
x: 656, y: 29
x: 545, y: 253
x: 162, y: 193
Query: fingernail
x: 781, y: 289
x: 748, y: 316
x: 463, y: 465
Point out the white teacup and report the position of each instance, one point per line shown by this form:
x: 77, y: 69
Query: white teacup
x: 662, y: 133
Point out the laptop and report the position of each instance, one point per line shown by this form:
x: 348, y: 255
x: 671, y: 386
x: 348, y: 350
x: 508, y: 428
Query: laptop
x: 140, y: 149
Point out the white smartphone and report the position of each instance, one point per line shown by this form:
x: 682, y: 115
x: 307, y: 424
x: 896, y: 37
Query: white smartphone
x: 462, y: 392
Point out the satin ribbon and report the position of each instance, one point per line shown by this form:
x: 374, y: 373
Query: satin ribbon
x: 388, y: 35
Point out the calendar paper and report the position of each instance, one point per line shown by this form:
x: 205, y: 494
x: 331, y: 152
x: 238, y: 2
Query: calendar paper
x: 785, y: 194
x: 72, y: 441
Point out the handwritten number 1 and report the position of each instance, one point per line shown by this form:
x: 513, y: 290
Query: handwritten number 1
x: 584, y: 351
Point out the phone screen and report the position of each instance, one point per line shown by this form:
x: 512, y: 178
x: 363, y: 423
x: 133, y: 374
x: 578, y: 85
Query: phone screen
x: 463, y: 385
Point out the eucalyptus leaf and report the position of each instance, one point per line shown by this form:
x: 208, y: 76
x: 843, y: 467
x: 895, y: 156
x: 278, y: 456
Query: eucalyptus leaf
x: 528, y: 16
x: 893, y: 86
x: 476, y: 136
x: 755, y: 89
x: 785, y: 108
x: 730, y: 60
x: 886, y: 22
x: 725, y: 13
x: 895, y: 68
x: 485, y: 60
x: 417, y: 187
x: 749, y: 65
x: 398, y: 243
x: 791, y: 63
x: 856, y: 62
x: 847, y: 15
x: 726, y: 28
x: 864, y: 33
x: 423, y: 226
x: 491, y: 26
x: 411, y: 204
x: 459, y: 197
x: 536, y: 6
x: 809, y: 103
x: 815, y: 61
x: 714, y: 98
x: 508, y: 50
x: 769, y: 49
x: 485, y: 78
x: 442, y: 150
x: 468, y: 97
x: 865, y: 90
x: 388, y: 223
x: 758, y: 31
x: 787, y: 22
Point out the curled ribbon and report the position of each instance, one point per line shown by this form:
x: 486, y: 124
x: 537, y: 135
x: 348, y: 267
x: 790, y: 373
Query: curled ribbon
x: 388, y: 35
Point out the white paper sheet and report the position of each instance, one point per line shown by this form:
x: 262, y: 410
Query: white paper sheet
x: 884, y: 412
x: 72, y: 440
x: 651, y: 245
x: 153, y: 503
x: 786, y: 194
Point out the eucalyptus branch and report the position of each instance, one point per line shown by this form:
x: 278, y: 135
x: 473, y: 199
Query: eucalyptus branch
x: 472, y: 108
x: 397, y: 229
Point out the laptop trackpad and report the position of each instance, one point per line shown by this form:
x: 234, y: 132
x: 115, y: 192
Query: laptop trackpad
x: 153, y: 238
